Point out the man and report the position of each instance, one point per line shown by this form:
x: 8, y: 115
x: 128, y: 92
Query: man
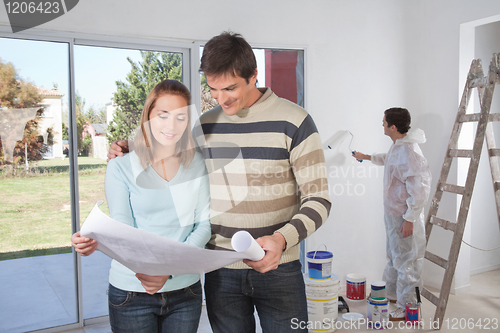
x: 406, y: 189
x: 268, y: 177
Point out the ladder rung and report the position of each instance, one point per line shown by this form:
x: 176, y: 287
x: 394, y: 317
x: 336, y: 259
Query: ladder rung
x: 453, y: 188
x: 430, y: 296
x: 436, y: 259
x: 494, y: 152
x: 466, y: 118
x: 445, y: 224
x: 460, y: 153
x: 478, y: 82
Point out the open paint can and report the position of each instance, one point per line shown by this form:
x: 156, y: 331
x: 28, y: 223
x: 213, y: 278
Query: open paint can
x: 377, y: 313
x: 412, y: 312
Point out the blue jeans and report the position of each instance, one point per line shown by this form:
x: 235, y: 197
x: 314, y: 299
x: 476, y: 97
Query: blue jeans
x: 173, y: 311
x: 278, y: 295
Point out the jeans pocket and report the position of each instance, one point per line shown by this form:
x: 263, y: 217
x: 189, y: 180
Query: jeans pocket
x: 288, y: 269
x: 195, y: 290
x: 117, y: 297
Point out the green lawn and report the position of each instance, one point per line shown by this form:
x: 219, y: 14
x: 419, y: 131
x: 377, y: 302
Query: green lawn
x: 35, y: 215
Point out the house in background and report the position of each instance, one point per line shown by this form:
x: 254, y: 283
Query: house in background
x: 51, y: 118
x: 99, y: 145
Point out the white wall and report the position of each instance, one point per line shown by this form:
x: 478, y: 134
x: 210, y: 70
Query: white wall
x: 484, y: 219
x: 362, y: 57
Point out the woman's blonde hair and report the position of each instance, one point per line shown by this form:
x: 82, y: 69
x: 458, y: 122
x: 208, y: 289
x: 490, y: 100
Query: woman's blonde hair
x: 185, y: 147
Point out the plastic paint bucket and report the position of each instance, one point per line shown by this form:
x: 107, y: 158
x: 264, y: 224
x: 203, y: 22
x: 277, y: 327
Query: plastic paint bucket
x: 319, y: 265
x: 355, y: 287
x: 322, y: 303
x: 378, y: 290
x: 377, y: 313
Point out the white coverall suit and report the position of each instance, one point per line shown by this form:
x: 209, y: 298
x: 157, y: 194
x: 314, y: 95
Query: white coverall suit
x: 407, y: 182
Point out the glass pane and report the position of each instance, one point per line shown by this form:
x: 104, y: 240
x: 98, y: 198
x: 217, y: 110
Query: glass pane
x: 284, y: 73
x: 37, y: 285
x: 111, y: 87
x: 280, y: 70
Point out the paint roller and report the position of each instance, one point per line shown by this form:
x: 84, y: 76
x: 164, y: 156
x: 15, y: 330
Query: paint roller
x: 338, y: 138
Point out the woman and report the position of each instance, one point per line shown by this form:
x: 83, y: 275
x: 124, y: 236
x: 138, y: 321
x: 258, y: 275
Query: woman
x: 142, y: 190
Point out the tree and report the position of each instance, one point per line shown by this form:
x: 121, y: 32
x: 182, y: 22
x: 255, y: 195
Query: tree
x: 130, y: 97
x: 83, y: 118
x: 19, y: 118
x: 96, y: 116
x: 207, y: 101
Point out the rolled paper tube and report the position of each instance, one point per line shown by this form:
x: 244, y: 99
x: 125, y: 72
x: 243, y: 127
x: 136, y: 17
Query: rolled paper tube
x: 243, y: 242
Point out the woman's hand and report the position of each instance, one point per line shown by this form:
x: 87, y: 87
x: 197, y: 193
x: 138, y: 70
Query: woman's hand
x: 83, y: 245
x: 152, y: 283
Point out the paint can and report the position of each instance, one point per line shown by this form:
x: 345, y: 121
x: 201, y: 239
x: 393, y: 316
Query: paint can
x: 322, y: 303
x: 412, y: 312
x: 355, y: 287
x: 377, y: 312
x: 319, y: 265
x: 378, y: 290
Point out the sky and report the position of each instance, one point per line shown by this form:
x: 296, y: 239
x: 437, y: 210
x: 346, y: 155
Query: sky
x: 46, y: 63
x: 97, y: 69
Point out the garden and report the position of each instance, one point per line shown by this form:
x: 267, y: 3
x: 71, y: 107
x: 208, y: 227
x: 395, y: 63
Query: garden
x: 35, y: 208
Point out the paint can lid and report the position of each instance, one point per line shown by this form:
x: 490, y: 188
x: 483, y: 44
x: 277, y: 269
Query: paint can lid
x: 319, y: 255
x: 354, y: 277
x: 352, y: 316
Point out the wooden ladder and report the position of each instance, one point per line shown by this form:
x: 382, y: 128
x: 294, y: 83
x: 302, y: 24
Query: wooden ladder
x: 485, y: 87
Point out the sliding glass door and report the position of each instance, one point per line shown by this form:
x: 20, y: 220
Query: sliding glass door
x: 37, y: 281
x: 54, y: 136
x: 111, y: 87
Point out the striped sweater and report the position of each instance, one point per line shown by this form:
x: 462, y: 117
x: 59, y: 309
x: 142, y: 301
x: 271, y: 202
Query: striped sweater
x: 267, y: 173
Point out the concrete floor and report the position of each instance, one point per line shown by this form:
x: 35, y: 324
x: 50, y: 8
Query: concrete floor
x: 465, y: 312
x: 38, y: 292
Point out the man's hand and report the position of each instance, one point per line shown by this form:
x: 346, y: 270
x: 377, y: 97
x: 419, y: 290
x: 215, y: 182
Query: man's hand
x: 273, y: 246
x: 152, y: 283
x: 117, y: 149
x: 360, y: 156
x: 406, y: 229
x: 83, y: 245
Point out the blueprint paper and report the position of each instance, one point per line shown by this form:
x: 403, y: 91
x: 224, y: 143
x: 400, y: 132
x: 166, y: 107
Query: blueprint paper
x: 147, y: 253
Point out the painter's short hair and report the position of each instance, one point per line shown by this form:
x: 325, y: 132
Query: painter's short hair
x: 228, y: 54
x: 399, y: 117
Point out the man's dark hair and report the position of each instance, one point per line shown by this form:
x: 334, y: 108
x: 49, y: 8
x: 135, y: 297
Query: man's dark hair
x: 228, y: 54
x: 400, y: 117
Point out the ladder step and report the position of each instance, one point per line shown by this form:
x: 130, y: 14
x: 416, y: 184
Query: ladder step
x: 461, y: 153
x: 436, y: 259
x: 445, y: 224
x: 480, y: 81
x: 430, y: 296
x: 494, y: 152
x: 467, y: 118
x: 452, y: 188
